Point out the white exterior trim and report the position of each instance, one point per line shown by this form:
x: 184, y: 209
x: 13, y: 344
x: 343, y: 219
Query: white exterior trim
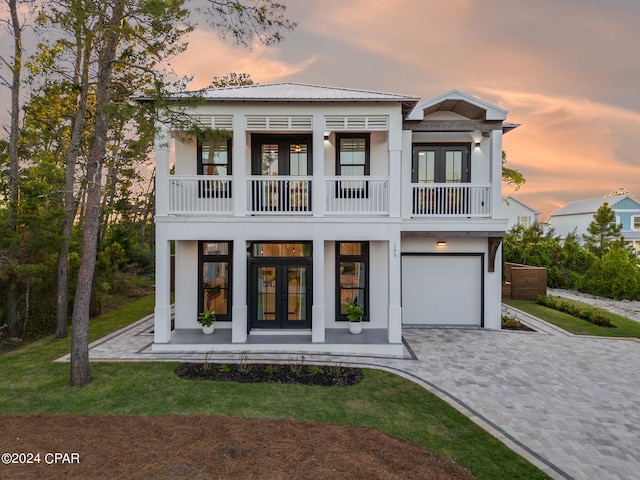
x: 378, y: 208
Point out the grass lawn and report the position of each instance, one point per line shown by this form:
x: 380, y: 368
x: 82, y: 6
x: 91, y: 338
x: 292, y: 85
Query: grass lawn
x: 623, y: 326
x: 31, y: 383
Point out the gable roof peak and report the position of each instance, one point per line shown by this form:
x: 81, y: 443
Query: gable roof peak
x: 461, y: 103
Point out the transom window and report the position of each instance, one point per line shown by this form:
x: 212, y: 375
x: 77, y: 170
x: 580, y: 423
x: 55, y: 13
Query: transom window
x: 352, y: 277
x: 215, y: 278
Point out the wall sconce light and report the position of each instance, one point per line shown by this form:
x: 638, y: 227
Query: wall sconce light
x: 476, y: 137
x: 441, y: 243
x: 326, y: 136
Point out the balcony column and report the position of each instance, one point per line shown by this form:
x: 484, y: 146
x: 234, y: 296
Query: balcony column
x: 395, y: 310
x: 395, y: 181
x: 405, y: 169
x: 395, y: 136
x: 318, y: 188
x: 318, y: 314
x: 239, y: 303
x: 239, y: 170
x: 161, y: 145
x: 162, y: 310
x: 496, y: 173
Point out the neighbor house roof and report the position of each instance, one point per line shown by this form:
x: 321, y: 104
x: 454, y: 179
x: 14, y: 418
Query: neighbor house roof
x: 510, y: 198
x: 587, y: 206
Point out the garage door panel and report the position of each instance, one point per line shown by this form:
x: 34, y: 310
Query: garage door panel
x: 441, y: 290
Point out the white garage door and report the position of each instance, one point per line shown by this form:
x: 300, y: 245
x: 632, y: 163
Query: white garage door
x: 441, y: 290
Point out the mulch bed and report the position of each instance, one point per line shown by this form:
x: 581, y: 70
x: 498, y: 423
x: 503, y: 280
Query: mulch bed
x: 522, y: 328
x: 294, y: 373
x: 211, y: 447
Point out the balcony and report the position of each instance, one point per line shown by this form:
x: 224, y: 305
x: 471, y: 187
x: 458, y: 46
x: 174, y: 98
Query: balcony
x: 450, y: 200
x: 197, y: 195
x: 343, y: 196
x: 287, y: 195
x: 357, y: 195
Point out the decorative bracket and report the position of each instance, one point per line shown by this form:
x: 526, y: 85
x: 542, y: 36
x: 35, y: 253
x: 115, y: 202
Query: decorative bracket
x: 494, y: 243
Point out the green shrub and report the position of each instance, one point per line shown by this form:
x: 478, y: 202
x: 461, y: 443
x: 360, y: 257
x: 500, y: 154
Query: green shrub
x: 590, y: 314
x: 615, y: 276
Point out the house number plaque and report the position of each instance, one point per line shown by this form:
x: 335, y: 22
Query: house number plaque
x: 395, y: 250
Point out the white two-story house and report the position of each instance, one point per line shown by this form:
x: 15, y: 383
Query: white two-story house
x: 320, y: 196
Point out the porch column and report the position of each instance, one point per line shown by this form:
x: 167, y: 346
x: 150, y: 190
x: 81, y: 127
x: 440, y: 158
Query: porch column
x: 493, y: 295
x: 161, y: 145
x: 239, y: 305
x: 162, y: 310
x: 318, y: 200
x: 395, y: 310
x: 317, y: 312
x: 239, y: 170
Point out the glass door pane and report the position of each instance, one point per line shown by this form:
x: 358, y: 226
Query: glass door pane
x: 426, y: 167
x: 296, y: 294
x: 453, y: 166
x: 266, y: 294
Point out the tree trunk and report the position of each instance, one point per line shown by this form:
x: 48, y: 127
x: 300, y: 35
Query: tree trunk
x: 14, y: 170
x: 80, y: 370
x: 70, y: 202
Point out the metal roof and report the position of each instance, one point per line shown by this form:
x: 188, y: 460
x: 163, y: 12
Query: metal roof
x: 289, y: 91
x: 587, y: 206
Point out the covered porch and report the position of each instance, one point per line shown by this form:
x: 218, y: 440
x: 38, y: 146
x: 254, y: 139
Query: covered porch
x: 371, y: 342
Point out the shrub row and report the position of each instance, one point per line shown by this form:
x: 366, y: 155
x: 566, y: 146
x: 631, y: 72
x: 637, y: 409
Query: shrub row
x: 590, y: 314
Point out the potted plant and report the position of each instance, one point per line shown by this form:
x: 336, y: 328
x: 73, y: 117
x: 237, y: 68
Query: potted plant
x: 207, y: 319
x: 355, y: 314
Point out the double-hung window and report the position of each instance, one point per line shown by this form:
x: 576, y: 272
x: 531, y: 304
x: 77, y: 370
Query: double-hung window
x: 352, y: 277
x: 352, y: 160
x: 214, y: 158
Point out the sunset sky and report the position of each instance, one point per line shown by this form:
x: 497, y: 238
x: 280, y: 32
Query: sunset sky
x: 567, y: 70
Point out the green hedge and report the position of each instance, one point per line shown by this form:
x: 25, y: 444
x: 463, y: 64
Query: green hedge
x: 590, y: 314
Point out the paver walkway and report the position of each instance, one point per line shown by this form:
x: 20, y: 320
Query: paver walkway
x: 569, y: 404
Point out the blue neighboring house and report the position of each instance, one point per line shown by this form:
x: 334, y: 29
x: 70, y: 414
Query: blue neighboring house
x: 579, y: 214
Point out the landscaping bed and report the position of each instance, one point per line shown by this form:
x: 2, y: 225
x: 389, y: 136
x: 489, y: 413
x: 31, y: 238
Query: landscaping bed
x: 294, y: 373
x: 203, y: 446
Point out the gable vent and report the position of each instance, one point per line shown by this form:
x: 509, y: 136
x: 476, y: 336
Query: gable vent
x: 219, y: 122
x: 360, y: 122
x: 278, y: 122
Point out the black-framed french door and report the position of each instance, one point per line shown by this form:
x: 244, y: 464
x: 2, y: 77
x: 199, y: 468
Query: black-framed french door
x: 280, y: 292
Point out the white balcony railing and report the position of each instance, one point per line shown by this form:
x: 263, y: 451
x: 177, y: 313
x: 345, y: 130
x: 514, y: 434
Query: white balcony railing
x: 200, y: 194
x: 288, y: 195
x: 450, y: 200
x: 357, y: 195
x: 291, y: 195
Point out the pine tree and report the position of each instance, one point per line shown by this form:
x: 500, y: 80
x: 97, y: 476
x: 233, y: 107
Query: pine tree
x: 604, y: 232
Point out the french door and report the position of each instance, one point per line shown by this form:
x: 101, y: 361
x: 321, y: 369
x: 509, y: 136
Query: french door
x: 280, y: 294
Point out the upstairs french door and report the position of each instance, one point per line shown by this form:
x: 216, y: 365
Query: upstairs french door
x: 436, y: 165
x: 441, y: 163
x: 281, y: 156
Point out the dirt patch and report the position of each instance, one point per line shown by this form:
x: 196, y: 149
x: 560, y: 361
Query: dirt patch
x: 124, y: 447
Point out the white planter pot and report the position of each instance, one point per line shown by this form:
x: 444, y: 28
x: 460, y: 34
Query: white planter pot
x: 208, y: 330
x: 355, y: 327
